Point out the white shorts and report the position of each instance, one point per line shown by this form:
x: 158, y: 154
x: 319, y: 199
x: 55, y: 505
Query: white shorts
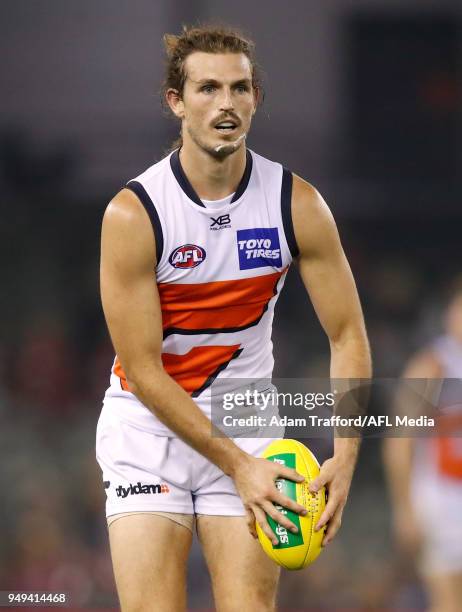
x: 146, y: 472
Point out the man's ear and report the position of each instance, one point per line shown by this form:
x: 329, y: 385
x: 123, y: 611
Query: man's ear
x: 175, y: 102
x: 257, y: 93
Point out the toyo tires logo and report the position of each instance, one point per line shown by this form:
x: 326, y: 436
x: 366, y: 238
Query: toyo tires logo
x: 187, y: 256
x: 259, y: 247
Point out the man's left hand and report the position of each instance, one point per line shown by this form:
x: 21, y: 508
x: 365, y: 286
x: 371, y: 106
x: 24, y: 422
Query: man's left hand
x: 335, y: 474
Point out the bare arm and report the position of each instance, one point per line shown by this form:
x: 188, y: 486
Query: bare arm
x: 328, y: 279
x: 398, y: 457
x: 133, y: 314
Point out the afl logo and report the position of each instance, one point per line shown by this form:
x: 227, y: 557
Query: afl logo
x: 187, y: 256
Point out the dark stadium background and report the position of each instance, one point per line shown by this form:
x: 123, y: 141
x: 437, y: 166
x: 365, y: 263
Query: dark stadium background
x: 362, y: 98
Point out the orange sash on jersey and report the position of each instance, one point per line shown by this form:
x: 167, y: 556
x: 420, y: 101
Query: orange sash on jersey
x: 449, y: 445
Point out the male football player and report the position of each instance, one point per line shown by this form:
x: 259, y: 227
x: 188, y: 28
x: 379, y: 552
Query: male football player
x: 425, y: 474
x: 194, y: 254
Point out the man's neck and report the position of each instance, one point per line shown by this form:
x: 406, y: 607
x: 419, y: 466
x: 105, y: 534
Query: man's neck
x: 212, y: 179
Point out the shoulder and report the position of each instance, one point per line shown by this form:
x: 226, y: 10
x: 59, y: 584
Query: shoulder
x: 126, y: 206
x: 125, y: 209
x: 126, y: 228
x: 307, y: 199
x: 312, y: 219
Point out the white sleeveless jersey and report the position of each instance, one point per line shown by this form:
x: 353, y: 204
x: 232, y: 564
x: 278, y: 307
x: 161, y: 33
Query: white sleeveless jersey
x: 436, y: 486
x: 219, y: 273
x: 429, y: 459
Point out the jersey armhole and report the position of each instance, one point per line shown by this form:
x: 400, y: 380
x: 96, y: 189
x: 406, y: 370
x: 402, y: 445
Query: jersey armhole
x: 286, y: 212
x: 150, y: 208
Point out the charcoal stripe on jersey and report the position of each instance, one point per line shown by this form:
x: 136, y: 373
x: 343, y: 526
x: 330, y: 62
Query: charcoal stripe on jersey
x: 198, y: 368
x: 195, y: 370
x: 188, y: 189
x: 213, y: 376
x: 286, y: 211
x: 148, y: 204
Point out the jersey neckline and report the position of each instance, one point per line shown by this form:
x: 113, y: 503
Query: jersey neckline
x: 188, y: 189
x: 211, y: 204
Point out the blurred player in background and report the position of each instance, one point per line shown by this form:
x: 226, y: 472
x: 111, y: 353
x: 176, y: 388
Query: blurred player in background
x: 194, y: 254
x: 425, y: 474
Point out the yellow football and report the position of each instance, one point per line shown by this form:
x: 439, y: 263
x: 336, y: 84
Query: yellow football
x: 295, y: 550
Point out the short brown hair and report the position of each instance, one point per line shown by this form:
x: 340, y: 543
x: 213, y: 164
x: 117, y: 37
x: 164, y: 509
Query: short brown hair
x: 209, y: 39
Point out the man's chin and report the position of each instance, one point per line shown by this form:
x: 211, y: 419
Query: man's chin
x: 225, y: 148
x: 221, y: 148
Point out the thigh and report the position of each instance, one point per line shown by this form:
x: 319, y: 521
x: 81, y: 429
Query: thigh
x: 149, y: 556
x: 244, y: 579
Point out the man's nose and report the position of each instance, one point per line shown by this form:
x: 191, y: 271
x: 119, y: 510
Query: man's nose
x: 226, y: 100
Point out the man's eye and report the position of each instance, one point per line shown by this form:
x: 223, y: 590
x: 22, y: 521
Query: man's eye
x: 242, y: 88
x: 208, y: 89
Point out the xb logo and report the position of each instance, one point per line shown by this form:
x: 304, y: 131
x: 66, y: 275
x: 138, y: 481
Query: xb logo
x: 220, y: 222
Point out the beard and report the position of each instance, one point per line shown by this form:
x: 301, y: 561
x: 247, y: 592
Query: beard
x: 221, y: 151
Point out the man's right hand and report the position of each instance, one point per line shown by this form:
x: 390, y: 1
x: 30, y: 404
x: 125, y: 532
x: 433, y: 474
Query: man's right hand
x: 255, y: 482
